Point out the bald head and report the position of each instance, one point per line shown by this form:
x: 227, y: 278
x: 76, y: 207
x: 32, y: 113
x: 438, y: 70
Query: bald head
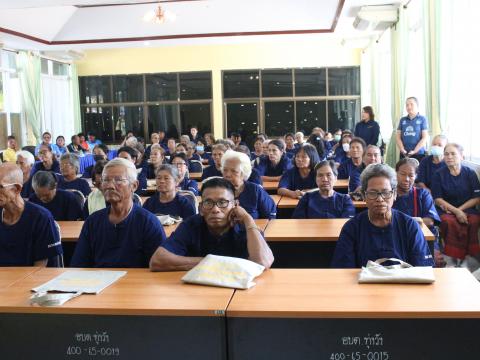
x: 10, y: 174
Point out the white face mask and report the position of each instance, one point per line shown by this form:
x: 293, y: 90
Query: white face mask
x: 346, y: 147
x: 436, y: 150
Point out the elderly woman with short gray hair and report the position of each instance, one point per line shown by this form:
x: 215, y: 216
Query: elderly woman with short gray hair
x: 237, y: 168
x: 62, y: 204
x: 70, y: 167
x: 123, y: 234
x: 380, y: 232
x: 167, y: 200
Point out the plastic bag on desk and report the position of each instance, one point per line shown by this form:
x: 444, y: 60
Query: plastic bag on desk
x: 224, y: 271
x: 168, y: 220
x: 402, y: 273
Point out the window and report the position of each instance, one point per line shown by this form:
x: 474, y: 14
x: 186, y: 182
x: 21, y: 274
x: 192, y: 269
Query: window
x: 279, y: 118
x: 195, y: 115
x: 343, y: 114
x: 95, y: 90
x: 127, y: 118
x: 311, y: 114
x: 59, y: 69
x: 310, y: 82
x: 195, y: 86
x: 162, y: 87
x: 127, y: 88
x: 99, y: 120
x: 344, y: 81
x: 44, y: 66
x: 165, y: 118
x: 241, y: 84
x: 243, y: 119
x: 277, y: 83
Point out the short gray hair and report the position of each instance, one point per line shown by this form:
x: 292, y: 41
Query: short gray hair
x: 27, y: 155
x: 128, y: 165
x: 186, y: 138
x: 378, y: 170
x: 44, y: 179
x: 172, y: 170
x: 72, y: 160
x: 245, y: 164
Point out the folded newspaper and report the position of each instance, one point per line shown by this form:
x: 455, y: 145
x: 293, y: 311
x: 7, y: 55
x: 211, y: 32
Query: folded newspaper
x: 73, y: 283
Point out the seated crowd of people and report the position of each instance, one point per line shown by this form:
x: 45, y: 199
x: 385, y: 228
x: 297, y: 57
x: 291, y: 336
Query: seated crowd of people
x: 122, y: 230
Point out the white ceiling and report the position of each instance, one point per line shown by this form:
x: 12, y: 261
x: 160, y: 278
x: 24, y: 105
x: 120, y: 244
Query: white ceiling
x: 61, y: 24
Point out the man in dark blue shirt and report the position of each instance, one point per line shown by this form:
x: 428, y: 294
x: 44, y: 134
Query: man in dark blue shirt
x: 123, y: 234
x: 28, y: 236
x: 222, y: 228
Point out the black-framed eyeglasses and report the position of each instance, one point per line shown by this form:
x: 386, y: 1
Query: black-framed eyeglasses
x: 209, y: 204
x: 373, y: 195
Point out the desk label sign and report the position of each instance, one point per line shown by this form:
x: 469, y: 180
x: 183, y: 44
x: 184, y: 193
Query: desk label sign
x: 92, y: 344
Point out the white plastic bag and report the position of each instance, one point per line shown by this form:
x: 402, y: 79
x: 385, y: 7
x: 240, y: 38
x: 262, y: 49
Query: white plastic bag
x: 224, y: 271
x: 374, y: 272
x: 166, y: 220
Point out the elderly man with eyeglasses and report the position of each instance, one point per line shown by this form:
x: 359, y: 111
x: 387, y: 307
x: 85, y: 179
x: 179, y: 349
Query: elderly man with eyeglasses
x: 123, y: 234
x: 221, y: 228
x: 380, y: 232
x: 28, y: 236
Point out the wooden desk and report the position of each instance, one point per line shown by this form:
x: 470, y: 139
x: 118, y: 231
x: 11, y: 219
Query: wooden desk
x: 276, y: 198
x: 290, y: 203
x: 142, y: 314
x: 309, y: 243
x: 325, y: 314
x: 10, y: 275
x: 195, y: 176
x: 339, y: 184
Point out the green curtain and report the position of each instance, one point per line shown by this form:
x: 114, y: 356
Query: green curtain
x: 75, y: 98
x: 29, y: 69
x: 400, y: 56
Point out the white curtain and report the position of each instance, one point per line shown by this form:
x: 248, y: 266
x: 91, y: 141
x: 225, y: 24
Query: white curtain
x: 57, y: 107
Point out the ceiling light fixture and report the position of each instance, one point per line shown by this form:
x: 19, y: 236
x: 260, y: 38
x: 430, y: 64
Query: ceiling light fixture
x: 159, y: 16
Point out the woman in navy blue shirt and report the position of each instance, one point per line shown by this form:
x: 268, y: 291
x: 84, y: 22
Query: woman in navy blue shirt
x: 215, y: 170
x: 157, y: 158
x: 380, y: 232
x: 236, y: 168
x: 430, y: 164
x: 290, y: 146
x: 271, y: 168
x: 47, y: 162
x: 456, y: 191
x: 184, y: 183
x: 69, y: 167
x: 341, y: 149
x: 325, y: 203
x: 167, y: 201
x: 257, y: 148
x: 301, y: 177
x: 368, y: 129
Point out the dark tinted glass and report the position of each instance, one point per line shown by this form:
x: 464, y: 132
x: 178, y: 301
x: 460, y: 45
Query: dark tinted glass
x: 344, y: 81
x: 195, y: 86
x: 95, y: 89
x: 195, y: 115
x: 277, y: 83
x: 127, y: 88
x: 99, y: 120
x: 128, y: 118
x: 311, y: 114
x: 240, y: 84
x: 343, y: 114
x: 165, y: 118
x: 310, y: 82
x: 243, y: 119
x: 162, y: 87
x: 279, y: 118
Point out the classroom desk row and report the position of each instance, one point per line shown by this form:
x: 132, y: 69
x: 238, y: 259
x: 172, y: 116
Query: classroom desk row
x: 290, y: 314
x: 295, y: 243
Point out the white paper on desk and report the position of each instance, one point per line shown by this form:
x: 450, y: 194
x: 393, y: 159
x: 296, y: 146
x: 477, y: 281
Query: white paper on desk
x: 81, y: 281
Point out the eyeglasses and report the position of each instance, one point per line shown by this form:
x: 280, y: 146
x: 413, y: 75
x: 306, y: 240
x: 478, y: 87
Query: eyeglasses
x: 373, y: 195
x: 115, y: 181
x: 221, y: 204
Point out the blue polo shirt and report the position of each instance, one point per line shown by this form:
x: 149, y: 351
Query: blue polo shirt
x: 179, y: 206
x: 411, y: 131
x: 368, y: 131
x: 211, y: 171
x: 131, y: 243
x: 34, y: 237
x: 256, y: 201
x: 361, y: 241
x: 27, y: 189
x: 38, y: 166
x: 63, y: 207
x: 425, y: 205
x: 354, y: 179
x: 346, y: 169
x: 77, y: 184
x: 292, y: 180
x: 193, y: 239
x: 313, y: 206
x: 190, y: 185
x: 456, y: 190
x: 265, y: 167
x: 427, y: 168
